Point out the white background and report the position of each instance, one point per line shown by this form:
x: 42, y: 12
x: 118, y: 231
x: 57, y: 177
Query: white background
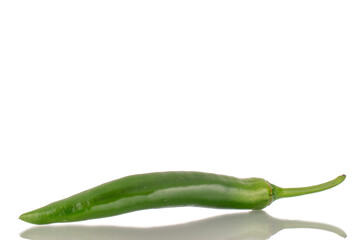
x: 91, y: 91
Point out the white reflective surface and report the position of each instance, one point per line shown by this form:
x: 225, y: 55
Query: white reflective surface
x: 91, y: 91
x: 242, y: 226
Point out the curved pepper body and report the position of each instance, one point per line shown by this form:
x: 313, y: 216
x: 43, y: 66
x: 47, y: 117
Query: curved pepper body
x: 158, y: 190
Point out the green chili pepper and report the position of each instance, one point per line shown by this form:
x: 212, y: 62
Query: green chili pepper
x: 167, y: 189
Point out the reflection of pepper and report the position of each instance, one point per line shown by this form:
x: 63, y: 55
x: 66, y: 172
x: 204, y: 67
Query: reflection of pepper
x: 255, y: 225
x: 165, y: 189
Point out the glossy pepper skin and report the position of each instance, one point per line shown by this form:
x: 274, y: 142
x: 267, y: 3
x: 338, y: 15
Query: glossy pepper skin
x: 167, y: 189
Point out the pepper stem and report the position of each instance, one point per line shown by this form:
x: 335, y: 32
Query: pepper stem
x: 279, y: 192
